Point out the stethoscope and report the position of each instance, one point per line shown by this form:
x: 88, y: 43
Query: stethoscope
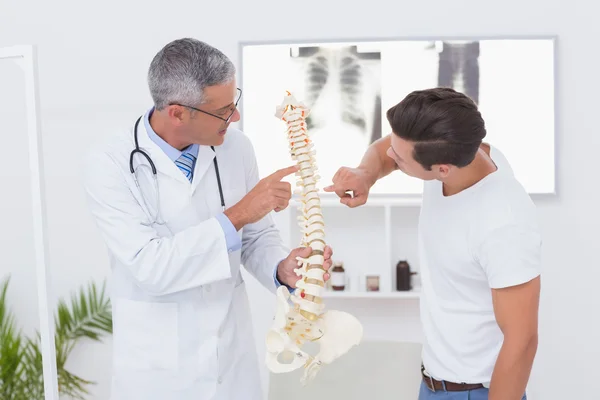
x: 156, y: 219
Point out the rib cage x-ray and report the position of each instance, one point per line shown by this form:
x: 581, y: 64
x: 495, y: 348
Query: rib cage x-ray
x: 342, y: 84
x: 459, y: 67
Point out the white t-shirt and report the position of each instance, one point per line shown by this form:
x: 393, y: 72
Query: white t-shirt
x: 484, y: 237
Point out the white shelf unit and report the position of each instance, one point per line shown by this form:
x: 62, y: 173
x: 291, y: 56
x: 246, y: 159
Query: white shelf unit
x: 412, y: 294
x: 369, y: 240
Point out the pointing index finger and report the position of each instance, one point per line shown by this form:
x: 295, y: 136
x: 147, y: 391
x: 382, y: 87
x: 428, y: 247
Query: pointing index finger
x: 281, y: 173
x: 331, y: 188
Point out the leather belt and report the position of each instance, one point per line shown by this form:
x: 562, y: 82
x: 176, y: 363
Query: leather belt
x: 435, y: 385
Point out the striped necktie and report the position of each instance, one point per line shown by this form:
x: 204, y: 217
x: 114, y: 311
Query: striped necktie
x: 186, y: 164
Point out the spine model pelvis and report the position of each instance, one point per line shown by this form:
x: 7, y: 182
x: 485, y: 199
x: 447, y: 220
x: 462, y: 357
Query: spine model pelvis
x: 300, y: 317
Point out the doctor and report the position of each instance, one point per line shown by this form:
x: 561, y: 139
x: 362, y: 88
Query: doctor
x: 179, y: 205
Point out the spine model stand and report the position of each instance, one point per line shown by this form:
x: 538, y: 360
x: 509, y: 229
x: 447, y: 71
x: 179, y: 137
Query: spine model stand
x: 299, y: 316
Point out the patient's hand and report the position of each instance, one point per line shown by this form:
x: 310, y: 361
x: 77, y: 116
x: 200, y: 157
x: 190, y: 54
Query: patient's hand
x: 355, y: 180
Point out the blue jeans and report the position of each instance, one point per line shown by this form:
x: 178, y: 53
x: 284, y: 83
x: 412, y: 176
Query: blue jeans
x: 477, y: 394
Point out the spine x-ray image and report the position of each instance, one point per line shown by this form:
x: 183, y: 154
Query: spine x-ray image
x: 459, y: 67
x: 342, y: 83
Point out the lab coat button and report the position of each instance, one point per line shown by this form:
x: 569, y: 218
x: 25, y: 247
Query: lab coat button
x: 220, y: 380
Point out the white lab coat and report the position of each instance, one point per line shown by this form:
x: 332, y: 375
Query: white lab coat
x: 182, y: 327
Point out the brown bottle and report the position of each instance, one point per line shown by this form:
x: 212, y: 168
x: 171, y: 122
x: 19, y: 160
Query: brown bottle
x: 338, y: 276
x: 403, y: 276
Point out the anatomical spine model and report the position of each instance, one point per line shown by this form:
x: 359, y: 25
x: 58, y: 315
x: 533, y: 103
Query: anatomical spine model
x: 299, y: 316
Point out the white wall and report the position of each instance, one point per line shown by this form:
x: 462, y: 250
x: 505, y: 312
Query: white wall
x: 93, y: 60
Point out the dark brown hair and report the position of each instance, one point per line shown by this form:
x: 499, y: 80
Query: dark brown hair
x: 445, y: 126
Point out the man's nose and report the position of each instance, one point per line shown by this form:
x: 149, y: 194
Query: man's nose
x: 236, y: 116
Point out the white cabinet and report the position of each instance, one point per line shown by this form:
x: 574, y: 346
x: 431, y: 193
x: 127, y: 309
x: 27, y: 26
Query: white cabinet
x: 369, y: 240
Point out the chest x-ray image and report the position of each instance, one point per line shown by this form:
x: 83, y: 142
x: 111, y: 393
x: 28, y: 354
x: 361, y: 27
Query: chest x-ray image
x: 342, y: 88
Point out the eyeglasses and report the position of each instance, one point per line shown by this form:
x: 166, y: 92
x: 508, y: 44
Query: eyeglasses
x: 239, y: 96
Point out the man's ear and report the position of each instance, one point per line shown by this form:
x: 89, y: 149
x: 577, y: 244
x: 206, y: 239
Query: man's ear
x: 443, y: 170
x: 175, y: 113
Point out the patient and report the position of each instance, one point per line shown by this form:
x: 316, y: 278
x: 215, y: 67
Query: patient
x: 479, y: 246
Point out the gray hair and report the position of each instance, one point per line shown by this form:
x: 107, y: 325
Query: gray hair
x: 182, y: 69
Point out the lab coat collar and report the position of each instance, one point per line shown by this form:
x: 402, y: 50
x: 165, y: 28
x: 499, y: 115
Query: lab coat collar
x: 203, y: 164
x: 165, y: 165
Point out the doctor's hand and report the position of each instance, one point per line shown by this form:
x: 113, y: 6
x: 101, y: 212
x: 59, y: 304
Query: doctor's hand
x: 285, y: 269
x: 269, y: 194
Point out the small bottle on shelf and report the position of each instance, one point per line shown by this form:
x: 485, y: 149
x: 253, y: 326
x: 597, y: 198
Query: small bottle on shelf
x: 404, y: 276
x: 338, y: 276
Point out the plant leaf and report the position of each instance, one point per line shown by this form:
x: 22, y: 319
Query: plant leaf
x: 87, y: 315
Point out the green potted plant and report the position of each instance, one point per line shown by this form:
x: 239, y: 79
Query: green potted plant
x: 87, y: 316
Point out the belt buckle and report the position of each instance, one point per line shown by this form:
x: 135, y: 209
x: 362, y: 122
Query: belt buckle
x: 432, y: 384
x: 427, y: 376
